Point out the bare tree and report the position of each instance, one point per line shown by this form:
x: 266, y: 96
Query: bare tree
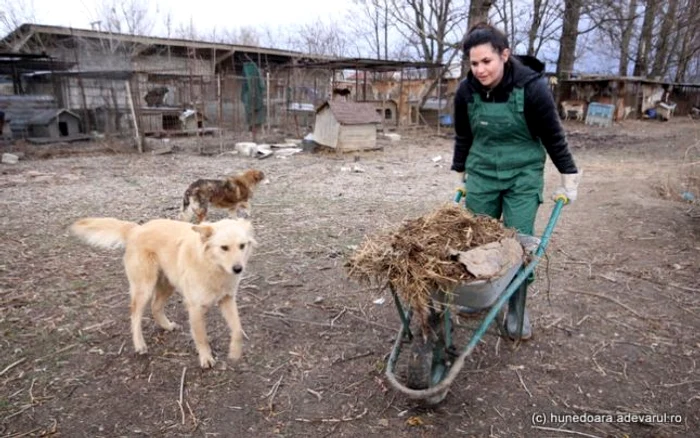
x: 505, y: 12
x: 544, y: 25
x: 168, y: 23
x: 319, y: 38
x: 529, y: 24
x: 645, y: 38
x: 187, y: 31
x: 689, y: 35
x: 626, y: 36
x: 13, y: 14
x: 134, y: 17
x: 663, y: 39
x: 569, y: 36
x: 479, y: 11
x: 433, y: 27
x: 370, y: 22
x: 245, y: 36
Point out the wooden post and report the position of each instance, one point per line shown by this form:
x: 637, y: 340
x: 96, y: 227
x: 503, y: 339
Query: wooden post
x: 115, y: 104
x: 139, y: 143
x: 357, y: 82
x: 219, y: 112
x: 267, y: 101
x: 330, y: 95
x: 236, y: 99
x: 399, y: 106
x: 439, y: 101
x: 364, y: 86
x: 287, y: 99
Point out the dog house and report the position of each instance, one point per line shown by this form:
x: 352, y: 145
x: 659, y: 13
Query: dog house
x: 347, y: 126
x: 54, y: 124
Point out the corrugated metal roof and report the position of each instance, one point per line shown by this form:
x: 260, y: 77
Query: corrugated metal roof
x: 352, y: 113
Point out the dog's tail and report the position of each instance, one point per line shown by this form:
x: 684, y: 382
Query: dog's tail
x: 103, y: 232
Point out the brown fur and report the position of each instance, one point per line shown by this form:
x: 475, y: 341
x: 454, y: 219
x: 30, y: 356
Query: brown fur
x: 232, y: 194
x: 203, y: 262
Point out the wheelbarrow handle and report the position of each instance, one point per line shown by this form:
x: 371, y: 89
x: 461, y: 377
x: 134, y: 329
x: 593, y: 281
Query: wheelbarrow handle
x: 461, y: 193
x: 559, y: 203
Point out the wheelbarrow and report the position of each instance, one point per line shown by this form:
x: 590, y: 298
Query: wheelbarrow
x: 433, y: 362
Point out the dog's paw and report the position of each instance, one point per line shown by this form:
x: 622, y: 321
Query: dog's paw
x: 172, y: 326
x: 235, y: 351
x: 141, y: 349
x: 206, y: 361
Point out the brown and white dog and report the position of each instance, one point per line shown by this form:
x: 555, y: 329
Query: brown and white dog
x: 204, y: 262
x: 232, y: 194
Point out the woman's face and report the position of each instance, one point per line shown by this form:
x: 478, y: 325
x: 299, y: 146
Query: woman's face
x: 487, y: 64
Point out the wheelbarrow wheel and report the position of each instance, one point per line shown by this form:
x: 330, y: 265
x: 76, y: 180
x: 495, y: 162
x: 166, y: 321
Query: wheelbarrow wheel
x: 426, y: 362
x: 420, y: 363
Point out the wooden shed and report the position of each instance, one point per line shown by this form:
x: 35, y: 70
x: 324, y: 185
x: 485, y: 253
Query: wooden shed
x: 347, y: 126
x: 387, y: 111
x: 54, y: 124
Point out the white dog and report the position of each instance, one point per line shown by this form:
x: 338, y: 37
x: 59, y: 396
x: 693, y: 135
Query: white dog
x: 204, y: 262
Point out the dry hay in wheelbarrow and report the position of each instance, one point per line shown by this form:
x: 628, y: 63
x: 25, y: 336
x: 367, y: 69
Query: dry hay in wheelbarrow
x: 418, y: 258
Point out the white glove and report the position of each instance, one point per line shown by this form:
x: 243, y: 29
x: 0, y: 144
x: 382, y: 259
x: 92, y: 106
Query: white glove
x: 461, y: 178
x: 568, y: 188
x: 461, y: 187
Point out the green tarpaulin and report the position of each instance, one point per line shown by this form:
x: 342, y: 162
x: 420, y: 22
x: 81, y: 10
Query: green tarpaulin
x: 252, y: 95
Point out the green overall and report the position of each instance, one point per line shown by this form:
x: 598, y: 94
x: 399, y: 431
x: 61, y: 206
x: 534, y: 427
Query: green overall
x: 505, y: 164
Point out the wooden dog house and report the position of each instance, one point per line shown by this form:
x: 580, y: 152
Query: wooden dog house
x: 347, y: 126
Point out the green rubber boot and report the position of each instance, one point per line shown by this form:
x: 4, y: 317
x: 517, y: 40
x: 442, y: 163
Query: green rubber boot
x: 517, y: 323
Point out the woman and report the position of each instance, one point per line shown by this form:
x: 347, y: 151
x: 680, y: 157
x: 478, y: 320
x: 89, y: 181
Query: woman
x: 506, y: 123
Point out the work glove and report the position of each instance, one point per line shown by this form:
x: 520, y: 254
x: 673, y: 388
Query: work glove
x: 461, y: 182
x: 461, y: 179
x: 569, y: 187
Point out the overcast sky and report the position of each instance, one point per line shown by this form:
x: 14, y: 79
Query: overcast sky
x: 205, y: 14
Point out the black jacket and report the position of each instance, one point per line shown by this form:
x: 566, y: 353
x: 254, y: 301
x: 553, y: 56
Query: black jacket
x: 540, y: 111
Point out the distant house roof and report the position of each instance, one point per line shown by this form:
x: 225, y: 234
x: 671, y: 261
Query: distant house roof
x: 45, y: 117
x: 640, y: 79
x: 220, y: 52
x: 352, y: 113
x: 367, y: 64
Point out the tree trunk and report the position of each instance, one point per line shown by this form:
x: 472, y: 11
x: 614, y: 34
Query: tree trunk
x: 641, y: 66
x: 377, y: 41
x: 478, y: 12
x: 687, y: 50
x: 687, y: 38
x: 569, y: 35
x: 659, y: 67
x: 537, y: 12
x: 386, y: 30
x: 626, y: 38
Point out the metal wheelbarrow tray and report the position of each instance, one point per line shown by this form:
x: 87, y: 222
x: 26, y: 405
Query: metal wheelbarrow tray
x: 433, y: 362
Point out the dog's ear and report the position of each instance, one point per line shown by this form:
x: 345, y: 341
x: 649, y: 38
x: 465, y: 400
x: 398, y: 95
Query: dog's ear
x: 248, y: 227
x: 205, y: 231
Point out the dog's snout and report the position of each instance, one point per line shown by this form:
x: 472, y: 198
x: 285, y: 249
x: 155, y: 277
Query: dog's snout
x: 237, y: 269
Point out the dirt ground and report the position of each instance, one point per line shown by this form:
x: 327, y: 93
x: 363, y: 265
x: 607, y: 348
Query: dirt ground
x: 616, y: 308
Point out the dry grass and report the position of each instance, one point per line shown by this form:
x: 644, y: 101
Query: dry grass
x: 417, y: 258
